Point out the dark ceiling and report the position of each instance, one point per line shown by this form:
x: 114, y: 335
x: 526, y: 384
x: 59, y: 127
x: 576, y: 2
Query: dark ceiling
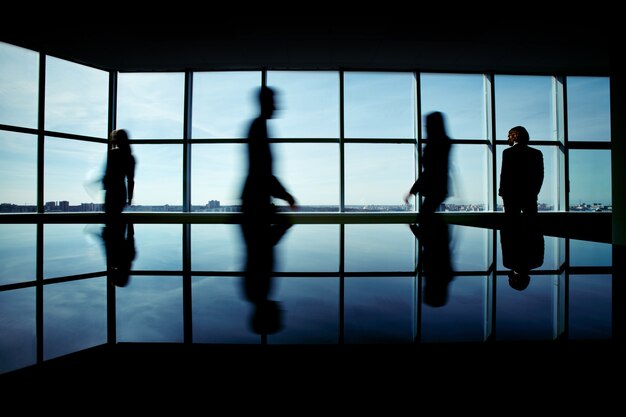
x: 328, y: 43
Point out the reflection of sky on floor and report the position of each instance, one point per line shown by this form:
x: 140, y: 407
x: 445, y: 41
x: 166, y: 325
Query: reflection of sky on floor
x: 369, y: 296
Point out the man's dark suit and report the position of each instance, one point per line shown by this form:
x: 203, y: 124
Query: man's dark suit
x: 521, y: 178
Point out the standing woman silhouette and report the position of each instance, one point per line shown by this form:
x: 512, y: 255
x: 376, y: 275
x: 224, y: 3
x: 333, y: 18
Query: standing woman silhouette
x: 119, y: 178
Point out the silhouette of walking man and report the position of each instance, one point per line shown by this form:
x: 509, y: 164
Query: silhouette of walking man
x: 433, y: 181
x: 521, y: 175
x: 120, y: 172
x: 261, y: 227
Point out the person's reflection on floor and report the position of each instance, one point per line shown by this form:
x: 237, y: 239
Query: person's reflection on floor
x: 522, y: 250
x: 119, y: 244
x: 260, y: 240
x: 435, y: 263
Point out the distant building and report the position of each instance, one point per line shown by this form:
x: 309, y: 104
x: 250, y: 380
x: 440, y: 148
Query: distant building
x: 64, y: 205
x: 213, y: 204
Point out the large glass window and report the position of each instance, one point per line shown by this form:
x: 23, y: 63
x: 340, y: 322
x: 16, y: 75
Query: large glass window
x: 17, y: 253
x: 19, y: 85
x: 379, y: 248
x: 150, y: 105
x: 76, y: 98
x: 307, y: 104
x: 379, y: 105
x: 72, y: 249
x: 224, y: 103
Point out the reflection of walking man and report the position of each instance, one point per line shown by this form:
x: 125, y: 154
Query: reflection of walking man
x: 521, y: 176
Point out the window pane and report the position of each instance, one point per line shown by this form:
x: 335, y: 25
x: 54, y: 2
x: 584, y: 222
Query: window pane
x: 379, y: 247
x: 590, y: 180
x: 18, y: 337
x: 158, y: 177
x: 150, y: 309
x: 528, y: 314
x: 462, y: 318
x: 71, y: 249
x: 310, y: 310
x: 379, y: 105
x: 590, y: 307
x: 217, y: 247
x: 218, y: 172
x: 18, y: 172
x: 158, y: 247
x: 379, y: 310
x: 151, y: 105
x: 77, y: 98
x: 468, y: 179
x: 308, y: 248
x: 586, y: 253
x: 75, y: 316
x: 460, y: 97
x: 220, y: 314
x: 307, y: 104
x: 73, y: 172
x: 18, y: 252
x: 378, y: 176
x: 19, y: 86
x: 310, y: 172
x: 525, y: 101
x: 588, y: 108
x: 224, y: 103
x: 470, y: 248
x: 547, y: 200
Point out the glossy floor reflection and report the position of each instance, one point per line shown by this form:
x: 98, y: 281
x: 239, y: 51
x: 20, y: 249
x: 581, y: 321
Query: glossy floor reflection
x: 334, y: 284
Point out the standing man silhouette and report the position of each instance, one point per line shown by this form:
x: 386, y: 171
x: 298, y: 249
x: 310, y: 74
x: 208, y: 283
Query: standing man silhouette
x: 521, y: 175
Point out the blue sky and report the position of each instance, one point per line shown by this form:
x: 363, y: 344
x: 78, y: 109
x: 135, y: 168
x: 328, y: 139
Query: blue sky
x: 377, y: 106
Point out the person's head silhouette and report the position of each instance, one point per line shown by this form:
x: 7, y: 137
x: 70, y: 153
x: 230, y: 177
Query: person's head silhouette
x: 118, y: 139
x: 518, y: 281
x: 518, y: 134
x: 435, y: 126
x: 267, y: 103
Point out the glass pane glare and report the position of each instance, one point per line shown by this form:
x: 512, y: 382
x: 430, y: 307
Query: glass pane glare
x: 18, y: 337
x: 379, y: 105
x: 217, y: 247
x: 588, y: 108
x: 18, y: 253
x: 158, y: 177
x: 76, y: 98
x: 310, y: 172
x: 590, y: 180
x: 460, y: 97
x: 525, y: 100
x: 75, y: 316
x: 71, y: 249
x: 18, y: 172
x: 19, y: 86
x: 217, y: 176
x: 379, y: 247
x: 150, y: 105
x: 73, y: 173
x: 224, y: 103
x: 378, y: 176
x: 308, y: 248
x: 307, y: 104
x: 150, y: 309
x: 158, y: 247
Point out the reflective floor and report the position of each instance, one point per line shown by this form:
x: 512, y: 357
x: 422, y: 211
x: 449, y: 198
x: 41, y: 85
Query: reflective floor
x: 332, y: 284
